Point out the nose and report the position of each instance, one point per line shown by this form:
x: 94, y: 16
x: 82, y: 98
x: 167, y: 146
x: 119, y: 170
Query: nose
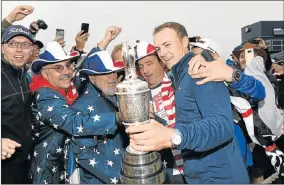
x: 146, y: 69
x: 19, y: 48
x: 67, y: 70
x: 163, y: 52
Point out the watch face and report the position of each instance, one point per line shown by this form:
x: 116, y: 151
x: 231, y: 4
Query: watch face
x: 177, y: 139
x: 237, y: 75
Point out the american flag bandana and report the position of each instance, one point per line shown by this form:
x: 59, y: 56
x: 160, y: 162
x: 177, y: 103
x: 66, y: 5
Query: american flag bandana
x: 168, y: 100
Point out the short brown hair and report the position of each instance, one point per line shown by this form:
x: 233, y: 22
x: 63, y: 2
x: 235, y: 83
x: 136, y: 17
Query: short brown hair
x: 115, y: 49
x: 179, y: 29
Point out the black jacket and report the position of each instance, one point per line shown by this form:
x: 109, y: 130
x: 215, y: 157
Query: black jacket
x: 16, y: 116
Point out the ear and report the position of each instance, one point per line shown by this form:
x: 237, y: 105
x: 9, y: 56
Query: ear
x: 92, y: 79
x: 44, y: 74
x: 32, y: 50
x: 2, y: 49
x: 185, y: 42
x: 215, y: 56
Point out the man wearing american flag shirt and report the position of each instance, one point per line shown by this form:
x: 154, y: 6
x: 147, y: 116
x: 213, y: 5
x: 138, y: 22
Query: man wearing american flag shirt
x: 58, y: 120
x: 162, y: 94
x: 98, y: 159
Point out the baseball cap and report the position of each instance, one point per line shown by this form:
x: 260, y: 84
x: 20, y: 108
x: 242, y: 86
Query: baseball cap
x: 39, y: 44
x: 208, y: 44
x: 16, y: 30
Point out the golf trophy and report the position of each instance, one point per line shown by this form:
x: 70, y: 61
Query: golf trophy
x: 133, y: 102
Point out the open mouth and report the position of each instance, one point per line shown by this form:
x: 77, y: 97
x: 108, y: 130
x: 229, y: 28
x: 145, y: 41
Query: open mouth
x: 19, y: 57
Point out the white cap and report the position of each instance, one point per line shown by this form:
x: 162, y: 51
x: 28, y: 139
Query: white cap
x: 207, y: 44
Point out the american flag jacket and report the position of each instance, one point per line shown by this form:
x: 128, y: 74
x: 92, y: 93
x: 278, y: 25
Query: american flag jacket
x: 98, y: 156
x: 57, y: 119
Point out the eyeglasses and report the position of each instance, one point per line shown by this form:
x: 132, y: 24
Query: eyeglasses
x: 24, y: 45
x: 60, y: 68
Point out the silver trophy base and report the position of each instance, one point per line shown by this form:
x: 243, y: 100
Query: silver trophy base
x: 145, y: 168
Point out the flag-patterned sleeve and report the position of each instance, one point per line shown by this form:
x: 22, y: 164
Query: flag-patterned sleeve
x: 55, y: 112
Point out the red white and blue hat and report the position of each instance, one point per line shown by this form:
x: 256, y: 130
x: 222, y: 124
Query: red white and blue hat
x: 53, y: 53
x: 144, y: 49
x: 99, y: 62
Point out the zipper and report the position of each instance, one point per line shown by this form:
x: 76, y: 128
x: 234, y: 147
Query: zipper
x: 22, y: 93
x: 20, y: 83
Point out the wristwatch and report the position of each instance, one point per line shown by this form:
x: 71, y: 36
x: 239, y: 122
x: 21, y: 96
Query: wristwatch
x: 236, y: 76
x: 176, y: 138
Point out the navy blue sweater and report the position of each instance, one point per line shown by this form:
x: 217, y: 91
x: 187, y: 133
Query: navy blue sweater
x: 204, y: 118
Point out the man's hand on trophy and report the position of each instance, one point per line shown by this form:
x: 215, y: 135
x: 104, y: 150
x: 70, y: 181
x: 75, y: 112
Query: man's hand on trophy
x: 150, y: 137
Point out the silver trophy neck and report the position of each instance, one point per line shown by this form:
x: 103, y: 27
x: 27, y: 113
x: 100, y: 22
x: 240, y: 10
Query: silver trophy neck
x: 129, y: 58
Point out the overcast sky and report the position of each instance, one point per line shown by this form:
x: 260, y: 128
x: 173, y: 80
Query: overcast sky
x: 221, y: 21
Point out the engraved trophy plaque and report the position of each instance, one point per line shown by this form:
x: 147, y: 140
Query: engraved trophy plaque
x: 133, y: 102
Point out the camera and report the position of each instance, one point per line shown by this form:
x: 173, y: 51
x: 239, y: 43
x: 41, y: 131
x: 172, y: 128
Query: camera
x: 254, y: 41
x: 41, y: 24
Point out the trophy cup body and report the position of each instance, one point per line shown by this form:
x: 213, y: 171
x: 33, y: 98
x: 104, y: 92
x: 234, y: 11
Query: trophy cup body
x: 133, y: 102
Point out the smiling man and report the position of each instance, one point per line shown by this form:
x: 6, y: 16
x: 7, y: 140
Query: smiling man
x: 65, y: 118
x: 204, y: 125
x: 16, y: 132
x: 153, y: 71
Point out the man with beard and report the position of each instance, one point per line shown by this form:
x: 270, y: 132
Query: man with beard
x: 96, y: 159
x: 204, y: 125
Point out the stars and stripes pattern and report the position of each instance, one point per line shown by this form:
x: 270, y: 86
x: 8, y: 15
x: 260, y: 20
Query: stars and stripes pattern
x: 56, y: 119
x: 169, y: 106
x: 100, y: 154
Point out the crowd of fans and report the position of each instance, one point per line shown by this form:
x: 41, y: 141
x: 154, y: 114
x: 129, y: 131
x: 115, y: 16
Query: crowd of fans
x: 212, y: 120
